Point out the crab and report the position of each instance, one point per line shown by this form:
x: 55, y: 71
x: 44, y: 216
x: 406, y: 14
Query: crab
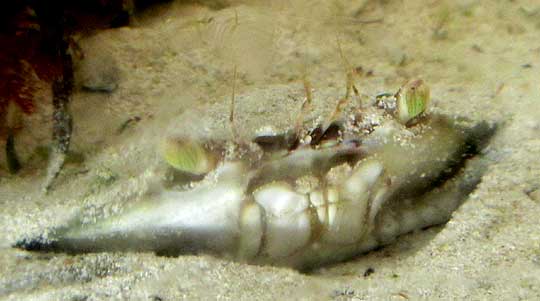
x: 301, y: 197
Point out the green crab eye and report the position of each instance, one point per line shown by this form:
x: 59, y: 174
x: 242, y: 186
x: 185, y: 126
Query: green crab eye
x: 188, y: 156
x: 412, y: 100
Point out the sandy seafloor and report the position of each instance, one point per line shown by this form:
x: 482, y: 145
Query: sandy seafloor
x: 480, y: 58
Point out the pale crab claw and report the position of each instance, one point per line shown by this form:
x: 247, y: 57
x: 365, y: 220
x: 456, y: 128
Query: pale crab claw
x: 204, y: 218
x: 396, y: 188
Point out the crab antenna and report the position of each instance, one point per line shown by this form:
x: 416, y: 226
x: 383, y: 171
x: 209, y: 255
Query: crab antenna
x: 233, y: 105
x: 342, y: 56
x: 306, y: 106
x: 235, y: 18
x: 350, y: 72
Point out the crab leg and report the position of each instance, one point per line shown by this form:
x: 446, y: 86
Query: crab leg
x: 58, y: 44
x: 62, y: 128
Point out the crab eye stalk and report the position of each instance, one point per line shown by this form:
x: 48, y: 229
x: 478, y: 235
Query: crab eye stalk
x: 187, y: 156
x: 412, y: 100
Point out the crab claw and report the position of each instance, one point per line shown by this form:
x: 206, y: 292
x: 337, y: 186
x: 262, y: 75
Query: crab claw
x: 204, y: 218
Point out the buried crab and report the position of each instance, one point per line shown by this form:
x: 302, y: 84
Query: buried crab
x: 304, y: 197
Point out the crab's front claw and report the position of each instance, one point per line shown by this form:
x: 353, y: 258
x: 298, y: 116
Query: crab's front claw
x: 172, y: 222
